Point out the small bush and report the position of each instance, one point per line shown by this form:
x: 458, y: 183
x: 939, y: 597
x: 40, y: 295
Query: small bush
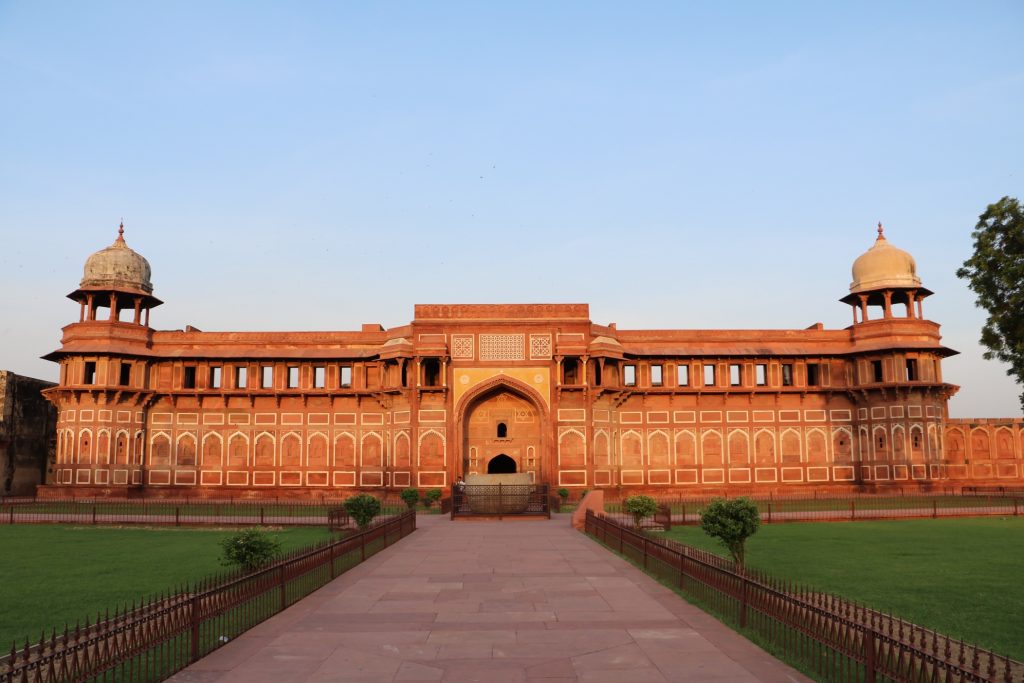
x: 563, y: 494
x: 640, y: 507
x: 732, y: 522
x: 411, y: 497
x: 431, y: 497
x: 249, y: 549
x: 362, y: 509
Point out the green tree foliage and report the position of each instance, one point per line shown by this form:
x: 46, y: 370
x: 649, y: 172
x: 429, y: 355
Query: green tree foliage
x: 411, y: 496
x: 640, y: 507
x: 249, y: 549
x: 431, y: 497
x: 563, y: 493
x: 362, y: 508
x: 995, y: 273
x: 732, y: 522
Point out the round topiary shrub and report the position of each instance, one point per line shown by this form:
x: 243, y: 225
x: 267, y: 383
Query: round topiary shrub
x: 431, y: 497
x: 640, y: 507
x: 563, y: 493
x: 362, y: 509
x: 732, y: 522
x: 411, y: 497
x: 249, y: 549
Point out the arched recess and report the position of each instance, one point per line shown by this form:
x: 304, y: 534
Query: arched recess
x: 899, y: 443
x: 934, y: 447
x: 764, y: 447
x: 739, y: 447
x: 880, y: 443
x: 431, y: 449
x: 371, y: 451
x: 121, y: 447
x: 263, y: 452
x: 103, y: 447
x: 186, y: 451
x: 213, y: 451
x: 316, y: 451
x: 842, y: 445
x: 137, y: 451
x: 345, y: 451
x: 791, y: 447
x: 659, y: 450
x: 686, y: 448
x: 917, y: 443
x: 864, y: 444
x: 402, y: 451
x: 485, y: 390
x: 955, y: 445
x: 85, y: 447
x: 1004, y: 444
x: 601, y: 454
x: 160, y: 450
x: 572, y: 450
x: 291, y: 450
x: 981, y: 448
x: 711, y: 448
x: 238, y: 450
x: 817, y: 447
x: 632, y: 450
x: 501, y: 464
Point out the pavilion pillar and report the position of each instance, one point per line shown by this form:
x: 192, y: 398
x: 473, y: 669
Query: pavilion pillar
x: 888, y: 303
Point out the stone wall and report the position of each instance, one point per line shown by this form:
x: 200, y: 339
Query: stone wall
x: 27, y: 434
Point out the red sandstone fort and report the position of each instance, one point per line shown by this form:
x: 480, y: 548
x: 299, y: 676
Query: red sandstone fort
x: 527, y: 388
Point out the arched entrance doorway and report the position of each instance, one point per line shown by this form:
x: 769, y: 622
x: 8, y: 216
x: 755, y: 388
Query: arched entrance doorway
x: 501, y: 464
x: 503, y: 429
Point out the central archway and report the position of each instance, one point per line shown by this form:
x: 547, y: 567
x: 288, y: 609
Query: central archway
x: 501, y: 464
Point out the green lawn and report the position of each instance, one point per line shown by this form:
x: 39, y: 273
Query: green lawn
x: 52, y: 574
x: 962, y: 577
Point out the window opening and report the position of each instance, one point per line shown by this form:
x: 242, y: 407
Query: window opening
x: 267, y: 377
x: 656, y: 376
x: 761, y: 374
x: 405, y: 375
x: 293, y: 376
x: 709, y: 375
x: 683, y: 375
x: 215, y: 373
x: 189, y: 381
x: 629, y: 375
x: 915, y: 438
x: 241, y: 377
x: 502, y: 430
x: 431, y: 372
x: 787, y: 374
x: 570, y: 369
x: 734, y: 374
x: 912, y: 370
x: 345, y: 376
x: 90, y: 372
x: 319, y: 377
x: 126, y: 375
x: 597, y: 373
x: 876, y: 367
x: 813, y: 374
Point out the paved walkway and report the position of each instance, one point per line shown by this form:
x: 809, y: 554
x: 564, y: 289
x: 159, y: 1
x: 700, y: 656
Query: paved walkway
x: 491, y: 601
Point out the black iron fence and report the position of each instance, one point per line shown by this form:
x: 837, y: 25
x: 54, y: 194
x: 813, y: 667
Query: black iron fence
x: 500, y: 500
x: 837, y: 639
x: 149, y: 642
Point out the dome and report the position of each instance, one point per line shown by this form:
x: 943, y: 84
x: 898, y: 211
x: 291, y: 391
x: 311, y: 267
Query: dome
x: 117, y: 267
x: 884, y: 266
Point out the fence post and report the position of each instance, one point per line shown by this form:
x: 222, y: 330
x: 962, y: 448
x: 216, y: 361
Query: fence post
x: 177, y: 516
x: 935, y: 509
x: 769, y: 512
x: 284, y: 596
x: 869, y: 654
x: 94, y: 513
x: 743, y: 602
x: 620, y: 538
x: 261, y: 515
x: 645, y: 553
x: 1014, y: 507
x: 10, y: 512
x: 362, y: 546
x: 195, y: 628
x: 853, y: 509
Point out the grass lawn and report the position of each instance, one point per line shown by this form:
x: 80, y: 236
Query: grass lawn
x: 962, y: 577
x: 52, y: 574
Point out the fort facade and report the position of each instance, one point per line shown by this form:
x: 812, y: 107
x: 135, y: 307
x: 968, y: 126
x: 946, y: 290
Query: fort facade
x: 534, y: 388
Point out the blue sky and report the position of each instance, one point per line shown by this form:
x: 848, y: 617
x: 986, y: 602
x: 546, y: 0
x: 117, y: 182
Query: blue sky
x: 292, y: 166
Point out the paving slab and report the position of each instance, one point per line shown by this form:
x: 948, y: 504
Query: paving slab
x: 491, y: 601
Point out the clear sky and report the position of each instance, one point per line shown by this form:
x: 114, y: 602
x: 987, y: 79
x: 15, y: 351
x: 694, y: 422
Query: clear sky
x: 296, y: 166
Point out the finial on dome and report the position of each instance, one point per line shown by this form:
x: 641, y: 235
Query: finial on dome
x: 881, y: 231
x: 120, y: 233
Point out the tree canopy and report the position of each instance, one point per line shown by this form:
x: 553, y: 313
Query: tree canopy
x: 995, y: 273
x: 732, y: 522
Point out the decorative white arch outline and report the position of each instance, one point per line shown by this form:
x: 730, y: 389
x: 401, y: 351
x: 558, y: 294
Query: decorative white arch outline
x: 825, y: 440
x: 256, y: 445
x: 297, y: 437
x: 202, y: 448
x: 622, y: 441
x: 338, y: 436
x: 444, y: 445
x: 799, y: 441
x: 669, y: 443
x: 692, y: 436
x: 603, y: 434
x: 746, y: 437
x: 366, y: 436
x: 566, y: 431
x: 836, y: 431
x: 704, y: 434
x: 773, y: 435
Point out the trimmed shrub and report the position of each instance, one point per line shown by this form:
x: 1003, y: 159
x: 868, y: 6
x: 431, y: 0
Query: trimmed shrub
x: 563, y: 494
x: 732, y: 522
x: 249, y: 549
x: 431, y: 497
x: 411, y: 497
x: 362, y: 509
x: 640, y: 507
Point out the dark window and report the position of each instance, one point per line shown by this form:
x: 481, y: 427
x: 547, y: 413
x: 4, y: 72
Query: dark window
x: 683, y: 375
x: 189, y: 381
x: 405, y: 375
x: 570, y: 371
x: 787, y: 374
x: 912, y: 370
x: 915, y: 439
x: 709, y: 375
x: 881, y: 441
x: 345, y: 376
x: 813, y: 374
x: 597, y: 373
x: 241, y: 377
x: 502, y: 430
x: 293, y: 376
x: 90, y: 372
x: 431, y: 372
x: 629, y: 375
x: 761, y: 374
x: 267, y: 377
x: 319, y: 377
x: 656, y: 379
x: 734, y: 375
x: 126, y: 375
x: 215, y: 373
x: 876, y: 367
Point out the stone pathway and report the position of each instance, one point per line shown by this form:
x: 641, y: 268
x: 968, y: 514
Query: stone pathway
x: 490, y: 601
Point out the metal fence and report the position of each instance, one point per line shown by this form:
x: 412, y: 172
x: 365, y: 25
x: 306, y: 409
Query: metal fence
x: 174, y: 512
x: 500, y: 500
x: 149, y: 642
x: 853, y: 507
x: 837, y: 639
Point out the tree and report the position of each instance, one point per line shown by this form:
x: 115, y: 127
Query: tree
x: 411, y: 497
x: 995, y: 273
x: 431, y: 497
x: 362, y: 508
x: 640, y: 507
x: 249, y: 549
x: 732, y: 522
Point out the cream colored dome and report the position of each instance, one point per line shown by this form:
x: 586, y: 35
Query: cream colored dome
x: 882, y: 266
x: 117, y: 267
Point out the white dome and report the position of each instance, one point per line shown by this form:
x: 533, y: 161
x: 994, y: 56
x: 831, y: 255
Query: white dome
x: 117, y: 267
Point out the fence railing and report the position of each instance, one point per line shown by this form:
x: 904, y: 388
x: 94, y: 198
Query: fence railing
x: 500, y: 500
x: 174, y: 512
x: 837, y: 639
x: 149, y: 642
x: 856, y: 507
